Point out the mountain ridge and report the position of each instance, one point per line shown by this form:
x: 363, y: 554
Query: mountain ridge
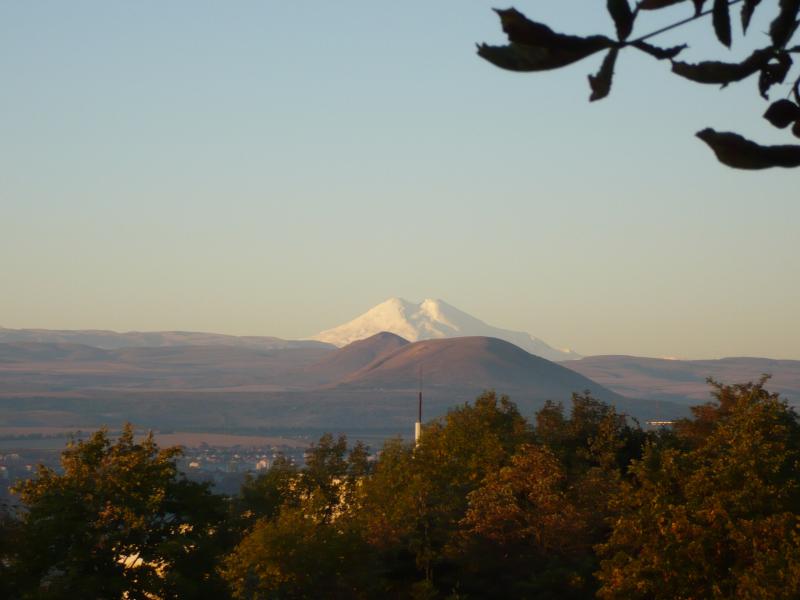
x: 372, y: 383
x: 113, y: 340
x: 686, y: 380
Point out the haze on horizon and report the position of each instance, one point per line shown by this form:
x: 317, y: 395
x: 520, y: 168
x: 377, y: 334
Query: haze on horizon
x: 279, y: 168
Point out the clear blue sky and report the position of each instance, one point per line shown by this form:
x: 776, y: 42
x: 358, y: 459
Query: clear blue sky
x: 276, y: 168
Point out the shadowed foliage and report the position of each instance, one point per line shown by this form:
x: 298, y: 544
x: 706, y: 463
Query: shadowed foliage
x: 118, y: 520
x: 574, y: 504
x: 533, y: 46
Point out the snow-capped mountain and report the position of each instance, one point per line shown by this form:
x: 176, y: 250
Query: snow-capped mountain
x: 431, y: 319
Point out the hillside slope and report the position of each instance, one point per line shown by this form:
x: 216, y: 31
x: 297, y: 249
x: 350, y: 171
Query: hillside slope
x: 685, y: 380
x: 352, y: 358
x: 473, y: 363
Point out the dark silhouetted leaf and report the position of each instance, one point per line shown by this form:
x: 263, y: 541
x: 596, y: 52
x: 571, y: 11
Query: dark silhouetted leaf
x: 796, y: 129
x: 623, y: 17
x: 782, y: 113
x: 784, y: 25
x: 747, y: 12
x: 722, y: 22
x: 519, y: 57
x: 656, y: 4
x: 522, y: 30
x: 601, y: 83
x: 774, y: 72
x: 659, y: 53
x: 536, y: 47
x: 740, y: 153
x: 698, y: 6
x: 720, y: 72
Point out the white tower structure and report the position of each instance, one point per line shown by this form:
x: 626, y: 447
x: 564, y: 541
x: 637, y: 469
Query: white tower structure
x: 418, y: 424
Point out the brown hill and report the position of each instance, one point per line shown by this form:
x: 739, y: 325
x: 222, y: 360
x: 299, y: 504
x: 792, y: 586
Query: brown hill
x: 473, y: 363
x: 353, y: 357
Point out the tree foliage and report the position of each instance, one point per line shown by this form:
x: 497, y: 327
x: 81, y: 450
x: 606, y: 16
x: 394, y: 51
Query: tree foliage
x: 118, y: 520
x: 303, y: 542
x: 525, y: 518
x: 297, y: 555
x: 717, y: 515
x: 534, y: 46
x: 417, y: 497
x: 574, y: 504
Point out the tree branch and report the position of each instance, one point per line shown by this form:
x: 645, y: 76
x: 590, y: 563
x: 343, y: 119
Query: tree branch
x: 678, y: 24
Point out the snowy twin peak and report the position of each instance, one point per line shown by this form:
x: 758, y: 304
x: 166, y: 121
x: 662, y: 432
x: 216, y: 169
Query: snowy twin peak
x: 432, y: 319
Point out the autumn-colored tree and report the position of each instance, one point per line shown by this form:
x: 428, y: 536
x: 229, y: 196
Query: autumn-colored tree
x: 523, y: 535
x: 413, y: 503
x: 594, y: 445
x: 533, y: 46
x: 484, y: 506
x: 594, y: 434
x: 531, y: 527
x: 716, y: 515
x: 119, y: 520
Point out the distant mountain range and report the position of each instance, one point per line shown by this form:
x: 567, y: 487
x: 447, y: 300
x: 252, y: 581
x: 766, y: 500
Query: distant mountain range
x: 429, y: 319
x: 383, y: 362
x: 211, y: 382
x: 432, y: 319
x: 370, y: 383
x: 149, y: 339
x: 684, y: 381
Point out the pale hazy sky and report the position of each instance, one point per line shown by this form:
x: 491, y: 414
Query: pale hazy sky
x: 276, y: 168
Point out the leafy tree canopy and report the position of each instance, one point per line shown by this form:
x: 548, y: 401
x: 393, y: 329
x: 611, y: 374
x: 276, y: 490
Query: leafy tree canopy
x: 119, y: 520
x: 716, y: 516
x: 577, y: 504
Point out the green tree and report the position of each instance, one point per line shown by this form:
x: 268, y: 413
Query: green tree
x: 118, y: 521
x: 298, y: 554
x: 716, y: 514
x: 331, y: 474
x: 534, y: 46
x: 263, y: 496
x: 304, y: 543
x: 10, y: 541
